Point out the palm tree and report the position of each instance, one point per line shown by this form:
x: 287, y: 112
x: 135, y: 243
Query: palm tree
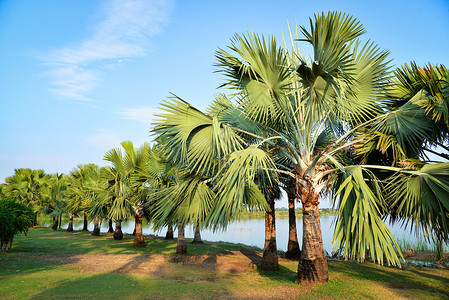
x: 53, y: 198
x: 78, y: 194
x: 187, y: 199
x: 293, y: 250
x: 98, y: 203
x: 126, y: 186
x: 296, y: 121
x: 78, y: 191
x: 197, y: 236
x: 161, y: 177
x: 25, y: 186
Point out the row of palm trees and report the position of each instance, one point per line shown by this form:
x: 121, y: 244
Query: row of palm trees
x: 116, y: 192
x: 339, y: 123
x: 129, y: 188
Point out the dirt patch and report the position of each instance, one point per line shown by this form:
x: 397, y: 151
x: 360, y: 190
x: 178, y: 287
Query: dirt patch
x: 285, y: 292
x: 244, y: 260
x: 229, y: 262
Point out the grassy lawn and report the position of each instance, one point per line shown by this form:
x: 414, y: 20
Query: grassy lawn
x: 49, y: 264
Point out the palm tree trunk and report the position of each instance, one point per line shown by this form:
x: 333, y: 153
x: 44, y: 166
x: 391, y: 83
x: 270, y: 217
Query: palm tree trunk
x: 169, y: 234
x: 9, y: 245
x: 55, y: 223
x: 96, y: 231
x: 181, y: 246
x: 110, y: 229
x: 6, y: 243
x: 293, y: 251
x: 138, y: 237
x: 85, y: 222
x: 197, y: 237
x: 270, y: 254
x: 312, y: 267
x: 118, y: 234
x: 60, y: 221
x: 70, y: 227
x: 3, y: 243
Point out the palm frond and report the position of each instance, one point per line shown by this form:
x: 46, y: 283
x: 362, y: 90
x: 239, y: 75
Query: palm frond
x: 421, y: 198
x: 193, y: 138
x: 359, y: 227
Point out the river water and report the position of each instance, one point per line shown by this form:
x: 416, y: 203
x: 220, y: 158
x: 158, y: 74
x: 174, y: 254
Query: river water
x: 252, y: 231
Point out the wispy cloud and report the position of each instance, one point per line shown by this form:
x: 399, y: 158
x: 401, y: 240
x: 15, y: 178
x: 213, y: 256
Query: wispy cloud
x: 124, y: 32
x: 141, y: 114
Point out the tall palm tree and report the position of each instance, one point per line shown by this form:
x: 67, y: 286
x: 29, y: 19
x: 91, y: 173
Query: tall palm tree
x: 126, y: 186
x: 97, y: 203
x: 293, y: 250
x: 78, y: 190
x: 296, y: 121
x: 53, y: 196
x: 187, y: 199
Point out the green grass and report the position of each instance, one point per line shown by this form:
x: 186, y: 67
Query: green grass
x: 421, y: 245
x: 25, y: 274
x: 417, y: 244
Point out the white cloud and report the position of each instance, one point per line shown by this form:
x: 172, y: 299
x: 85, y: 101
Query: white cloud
x: 125, y: 32
x: 104, y: 139
x: 141, y: 114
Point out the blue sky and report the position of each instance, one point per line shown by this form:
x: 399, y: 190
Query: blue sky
x: 78, y: 76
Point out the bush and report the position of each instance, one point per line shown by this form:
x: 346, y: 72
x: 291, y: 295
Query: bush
x: 14, y: 218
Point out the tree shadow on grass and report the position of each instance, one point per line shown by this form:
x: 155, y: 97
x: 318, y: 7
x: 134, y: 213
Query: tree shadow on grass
x: 161, y: 280
x: 103, y: 286
x: 283, y: 275
x: 402, y: 281
x: 19, y: 264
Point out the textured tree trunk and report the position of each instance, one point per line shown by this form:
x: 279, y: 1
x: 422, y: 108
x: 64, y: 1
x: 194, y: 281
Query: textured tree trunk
x: 6, y: 243
x: 138, y: 237
x: 70, y: 227
x: 118, y: 234
x: 181, y: 246
x: 197, y: 237
x: 9, y: 245
x: 60, y: 221
x: 3, y: 243
x: 293, y: 251
x: 96, y: 231
x: 55, y: 223
x: 270, y: 254
x: 169, y: 234
x: 85, y: 222
x: 312, y: 267
x: 110, y: 229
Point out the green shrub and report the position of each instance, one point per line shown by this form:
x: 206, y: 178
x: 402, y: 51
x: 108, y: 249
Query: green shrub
x: 14, y: 218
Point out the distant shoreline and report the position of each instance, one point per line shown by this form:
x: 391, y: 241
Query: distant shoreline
x: 283, y: 213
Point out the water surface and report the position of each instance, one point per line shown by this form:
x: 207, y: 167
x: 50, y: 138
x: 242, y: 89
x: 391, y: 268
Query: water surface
x: 252, y: 231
